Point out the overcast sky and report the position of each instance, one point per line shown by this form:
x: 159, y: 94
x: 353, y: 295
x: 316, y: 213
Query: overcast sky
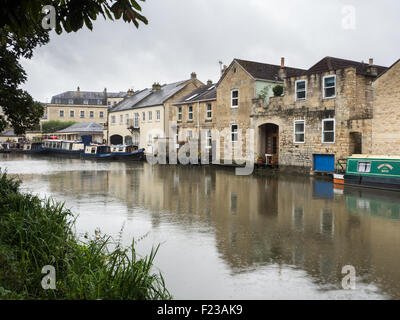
x: 193, y: 35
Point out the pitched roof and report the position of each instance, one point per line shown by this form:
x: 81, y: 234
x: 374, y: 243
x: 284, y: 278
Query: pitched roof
x: 331, y: 64
x: 8, y: 133
x: 92, y: 127
x: 149, y: 97
x: 265, y: 71
x: 204, y: 93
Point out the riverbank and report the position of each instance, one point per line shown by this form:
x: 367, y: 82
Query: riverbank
x: 36, y: 233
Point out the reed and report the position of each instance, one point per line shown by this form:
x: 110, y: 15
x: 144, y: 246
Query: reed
x: 37, y: 232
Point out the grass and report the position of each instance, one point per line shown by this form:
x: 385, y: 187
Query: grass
x: 35, y: 233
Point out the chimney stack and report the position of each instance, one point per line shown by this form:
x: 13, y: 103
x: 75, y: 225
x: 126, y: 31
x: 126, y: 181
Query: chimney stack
x: 130, y: 92
x: 78, y: 89
x: 371, y: 61
x: 193, y: 75
x: 209, y: 82
x: 156, y: 86
x: 283, y: 62
x: 223, y: 69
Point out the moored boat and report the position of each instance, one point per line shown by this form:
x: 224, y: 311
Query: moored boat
x: 97, y: 152
x: 32, y: 147
x: 4, y: 148
x: 126, y: 152
x: 72, y: 148
x: 373, y: 171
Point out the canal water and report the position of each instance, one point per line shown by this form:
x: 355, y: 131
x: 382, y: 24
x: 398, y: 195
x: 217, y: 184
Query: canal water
x: 224, y: 236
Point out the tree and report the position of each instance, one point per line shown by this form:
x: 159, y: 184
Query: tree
x: 21, y: 32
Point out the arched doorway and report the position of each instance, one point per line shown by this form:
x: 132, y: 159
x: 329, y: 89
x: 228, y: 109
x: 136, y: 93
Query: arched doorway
x: 269, y: 143
x: 116, y: 139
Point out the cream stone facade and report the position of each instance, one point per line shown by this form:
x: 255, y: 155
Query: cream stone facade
x: 386, y: 113
x: 144, y: 117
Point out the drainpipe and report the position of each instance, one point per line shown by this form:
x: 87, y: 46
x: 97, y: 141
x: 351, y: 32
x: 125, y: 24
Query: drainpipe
x: 198, y: 119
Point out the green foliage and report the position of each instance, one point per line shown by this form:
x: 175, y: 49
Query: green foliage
x: 36, y: 232
x: 21, y: 32
x: 55, y: 125
x: 278, y: 90
x: 71, y: 15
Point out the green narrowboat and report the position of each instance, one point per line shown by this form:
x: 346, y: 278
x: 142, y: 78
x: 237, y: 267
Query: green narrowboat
x: 373, y: 171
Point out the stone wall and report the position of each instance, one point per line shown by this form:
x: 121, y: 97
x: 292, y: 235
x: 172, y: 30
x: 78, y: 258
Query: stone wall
x: 351, y: 110
x: 386, y: 113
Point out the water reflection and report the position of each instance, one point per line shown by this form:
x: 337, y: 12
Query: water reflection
x: 231, y: 231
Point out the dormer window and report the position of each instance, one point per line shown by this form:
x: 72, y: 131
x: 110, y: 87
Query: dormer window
x: 85, y: 101
x: 329, y: 87
x: 301, y: 90
x: 70, y: 101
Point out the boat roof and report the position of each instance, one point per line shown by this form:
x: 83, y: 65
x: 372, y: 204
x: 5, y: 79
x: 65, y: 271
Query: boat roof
x: 374, y: 156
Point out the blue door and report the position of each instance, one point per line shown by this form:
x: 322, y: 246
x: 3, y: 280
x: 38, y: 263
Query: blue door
x: 324, y: 162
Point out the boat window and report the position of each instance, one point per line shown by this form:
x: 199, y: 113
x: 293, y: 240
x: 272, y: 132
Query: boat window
x: 121, y: 149
x: 364, y: 167
x: 93, y: 150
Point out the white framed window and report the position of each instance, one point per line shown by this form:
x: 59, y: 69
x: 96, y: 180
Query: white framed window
x: 71, y: 113
x: 179, y: 113
x: 127, y: 118
x: 136, y: 139
x: 328, y: 130
x: 85, y: 101
x: 143, y: 116
x: 209, y: 111
x: 99, y: 101
x: 301, y: 90
x: 150, y: 116
x: 158, y: 115
x: 299, y: 131
x: 70, y: 101
x: 109, y: 103
x: 121, y: 118
x: 136, y: 123
x: 364, y: 167
x: 329, y: 86
x: 113, y: 119
x: 101, y: 114
x: 234, y: 132
x: 235, y: 98
x: 91, y: 114
x: 208, y: 139
x: 190, y: 113
x: 61, y: 113
x: 82, y: 113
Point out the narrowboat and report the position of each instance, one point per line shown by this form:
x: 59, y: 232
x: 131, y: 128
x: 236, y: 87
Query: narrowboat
x: 127, y: 152
x: 32, y: 147
x: 97, y: 152
x: 373, y: 171
x: 4, y: 148
x: 72, y: 148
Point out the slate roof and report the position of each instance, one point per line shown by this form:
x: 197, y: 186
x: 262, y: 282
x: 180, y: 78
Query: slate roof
x: 8, y: 133
x: 204, y: 93
x: 332, y: 64
x: 92, y: 127
x: 265, y: 71
x: 91, y: 96
x: 148, y: 97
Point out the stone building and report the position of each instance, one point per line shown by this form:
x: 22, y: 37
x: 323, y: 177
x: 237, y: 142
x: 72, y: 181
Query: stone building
x: 241, y: 83
x: 82, y: 106
x: 325, y: 114
x: 386, y: 113
x: 145, y: 115
x: 77, y: 130
x: 196, y: 112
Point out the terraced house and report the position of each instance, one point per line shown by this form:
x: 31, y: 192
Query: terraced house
x: 196, y: 112
x: 325, y: 114
x: 241, y: 83
x: 142, y: 117
x: 82, y: 106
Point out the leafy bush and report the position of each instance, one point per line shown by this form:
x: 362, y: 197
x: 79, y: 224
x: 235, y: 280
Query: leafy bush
x: 35, y: 233
x: 53, y: 126
x: 278, y: 90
